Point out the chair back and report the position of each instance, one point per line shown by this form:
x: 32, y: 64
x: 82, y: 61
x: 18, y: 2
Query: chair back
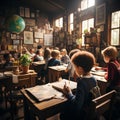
x: 103, y: 103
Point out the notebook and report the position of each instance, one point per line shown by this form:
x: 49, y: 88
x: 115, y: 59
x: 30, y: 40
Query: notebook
x: 60, y: 84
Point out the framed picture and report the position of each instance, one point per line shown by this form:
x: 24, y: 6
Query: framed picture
x: 100, y: 14
x: 27, y: 12
x: 48, y: 39
x: 16, y: 42
x: 38, y: 35
x: 13, y: 36
x: 22, y: 13
x: 32, y: 15
x: 30, y: 22
x: 28, y: 37
x: 10, y: 47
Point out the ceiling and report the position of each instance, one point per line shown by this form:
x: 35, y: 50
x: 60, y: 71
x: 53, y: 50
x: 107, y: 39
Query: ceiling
x: 50, y: 7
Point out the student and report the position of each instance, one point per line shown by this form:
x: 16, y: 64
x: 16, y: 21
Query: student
x: 31, y: 52
x: 70, y: 68
x: 47, y: 56
x: 83, y: 61
x: 110, y: 55
x: 64, y: 56
x: 53, y: 61
x: 8, y: 62
x: 38, y: 56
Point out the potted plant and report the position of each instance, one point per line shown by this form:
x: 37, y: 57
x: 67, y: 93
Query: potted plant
x: 25, y: 61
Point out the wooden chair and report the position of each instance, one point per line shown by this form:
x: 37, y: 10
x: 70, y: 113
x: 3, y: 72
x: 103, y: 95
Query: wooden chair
x: 100, y: 105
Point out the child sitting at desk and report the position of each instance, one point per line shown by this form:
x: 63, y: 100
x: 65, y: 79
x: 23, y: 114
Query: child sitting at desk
x: 83, y: 61
x: 53, y: 61
x: 113, y: 76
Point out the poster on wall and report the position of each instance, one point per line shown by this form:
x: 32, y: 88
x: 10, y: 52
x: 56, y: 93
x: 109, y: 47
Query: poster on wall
x: 48, y: 39
x: 28, y: 37
x: 38, y: 35
x: 100, y: 14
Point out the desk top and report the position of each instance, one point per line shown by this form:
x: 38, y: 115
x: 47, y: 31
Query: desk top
x: 99, y: 74
x: 58, y: 68
x: 46, y: 108
x: 47, y: 105
x: 10, y: 73
x: 38, y: 63
x: 31, y: 93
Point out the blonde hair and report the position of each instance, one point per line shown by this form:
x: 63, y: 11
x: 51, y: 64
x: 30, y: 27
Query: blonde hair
x: 55, y: 53
x: 110, y: 52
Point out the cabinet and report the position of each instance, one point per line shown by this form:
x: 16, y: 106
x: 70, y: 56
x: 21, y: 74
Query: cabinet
x: 92, y: 43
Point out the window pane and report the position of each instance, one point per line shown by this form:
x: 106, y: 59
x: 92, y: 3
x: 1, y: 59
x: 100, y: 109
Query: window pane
x: 61, y: 22
x: 90, y: 23
x: 71, y: 18
x: 91, y: 3
x: 83, y: 4
x: 87, y: 3
x: 57, y: 23
x: 84, y: 25
x: 115, y: 37
x: 115, y: 19
x: 71, y: 28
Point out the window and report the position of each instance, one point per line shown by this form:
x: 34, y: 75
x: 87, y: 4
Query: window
x: 87, y: 3
x: 71, y: 25
x: 59, y: 22
x: 87, y: 24
x: 115, y: 28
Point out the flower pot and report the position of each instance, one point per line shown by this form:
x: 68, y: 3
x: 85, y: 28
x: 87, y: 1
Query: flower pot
x: 25, y: 69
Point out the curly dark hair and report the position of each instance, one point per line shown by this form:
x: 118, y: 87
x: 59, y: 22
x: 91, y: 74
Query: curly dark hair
x: 84, y: 59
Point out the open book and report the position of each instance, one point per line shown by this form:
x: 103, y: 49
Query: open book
x: 50, y: 90
x: 98, y: 72
x: 60, y: 84
x: 44, y: 92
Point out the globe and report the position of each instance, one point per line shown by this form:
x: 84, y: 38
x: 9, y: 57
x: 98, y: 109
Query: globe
x: 15, y: 24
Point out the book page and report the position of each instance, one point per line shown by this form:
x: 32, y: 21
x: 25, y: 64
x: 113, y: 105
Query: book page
x: 44, y: 92
x: 60, y: 84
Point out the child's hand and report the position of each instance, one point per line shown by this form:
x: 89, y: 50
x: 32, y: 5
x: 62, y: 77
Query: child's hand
x: 66, y: 89
x: 98, y: 68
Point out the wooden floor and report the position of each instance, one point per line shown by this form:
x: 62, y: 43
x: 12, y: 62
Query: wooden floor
x: 5, y: 113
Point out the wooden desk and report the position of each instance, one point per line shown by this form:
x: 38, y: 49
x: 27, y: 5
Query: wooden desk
x: 55, y: 72
x: 5, y: 81
x: 38, y: 67
x: 32, y: 74
x: 43, y: 109
x: 47, y: 108
x: 102, y: 82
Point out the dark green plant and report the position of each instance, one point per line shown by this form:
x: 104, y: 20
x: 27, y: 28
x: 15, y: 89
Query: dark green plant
x: 25, y: 60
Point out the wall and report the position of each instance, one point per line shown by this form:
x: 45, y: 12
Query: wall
x: 37, y: 24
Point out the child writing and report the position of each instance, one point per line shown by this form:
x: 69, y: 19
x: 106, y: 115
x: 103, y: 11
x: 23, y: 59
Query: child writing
x: 83, y: 61
x: 109, y: 55
x: 70, y: 67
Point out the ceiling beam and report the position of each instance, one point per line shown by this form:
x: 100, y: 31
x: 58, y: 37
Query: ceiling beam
x: 56, y: 4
